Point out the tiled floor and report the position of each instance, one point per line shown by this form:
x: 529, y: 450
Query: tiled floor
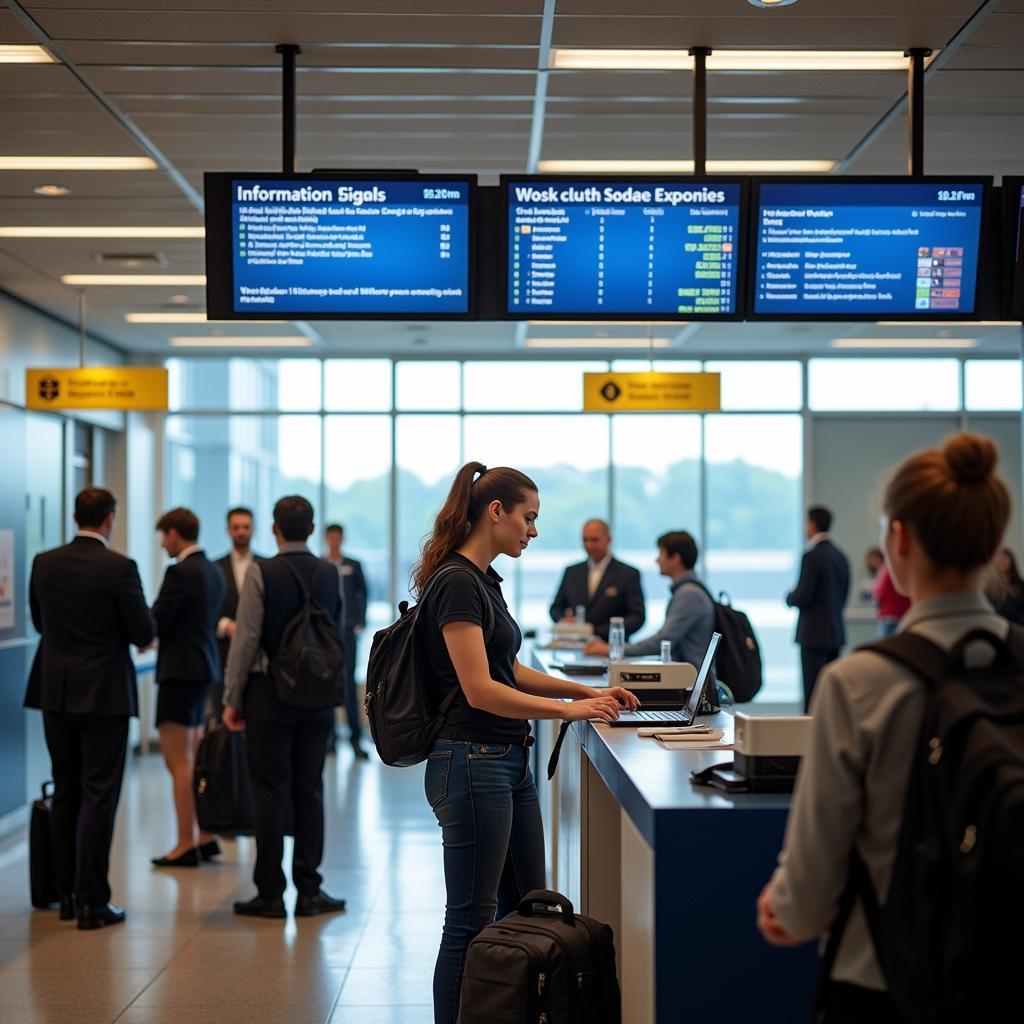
x: 182, y: 956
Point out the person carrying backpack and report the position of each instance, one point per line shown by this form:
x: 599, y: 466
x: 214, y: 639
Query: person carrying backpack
x: 478, y: 780
x: 876, y: 851
x: 285, y: 676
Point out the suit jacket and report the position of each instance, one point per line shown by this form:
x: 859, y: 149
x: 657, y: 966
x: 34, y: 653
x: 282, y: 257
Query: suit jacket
x: 619, y: 593
x: 355, y: 593
x: 229, y: 609
x: 87, y: 603
x: 186, y: 612
x: 821, y: 596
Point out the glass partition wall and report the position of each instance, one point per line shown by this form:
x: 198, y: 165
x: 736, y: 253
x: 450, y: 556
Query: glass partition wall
x: 374, y: 444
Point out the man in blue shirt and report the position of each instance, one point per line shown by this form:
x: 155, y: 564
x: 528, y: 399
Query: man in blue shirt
x: 690, y: 616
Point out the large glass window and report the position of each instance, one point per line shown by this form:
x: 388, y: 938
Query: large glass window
x: 428, y: 386
x: 567, y: 457
x: 759, y: 385
x: 752, y: 547
x: 864, y: 385
x: 244, y: 385
x: 657, y: 488
x: 357, y: 385
x: 992, y: 385
x: 525, y: 385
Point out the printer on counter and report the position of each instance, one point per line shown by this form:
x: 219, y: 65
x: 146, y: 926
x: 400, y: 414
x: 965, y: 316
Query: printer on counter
x: 656, y: 683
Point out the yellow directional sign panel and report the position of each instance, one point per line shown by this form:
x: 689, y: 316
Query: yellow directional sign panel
x: 97, y: 387
x: 652, y: 392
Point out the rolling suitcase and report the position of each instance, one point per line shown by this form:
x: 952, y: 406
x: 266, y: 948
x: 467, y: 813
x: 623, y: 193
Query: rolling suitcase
x: 42, y: 868
x: 543, y: 964
x: 223, y: 792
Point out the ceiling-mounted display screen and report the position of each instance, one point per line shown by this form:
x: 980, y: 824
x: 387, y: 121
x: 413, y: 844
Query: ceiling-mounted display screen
x: 848, y: 249
x: 308, y: 246
x: 1013, y: 243
x: 594, y: 248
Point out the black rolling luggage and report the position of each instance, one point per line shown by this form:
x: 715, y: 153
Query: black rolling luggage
x: 543, y: 964
x: 221, y: 784
x: 42, y: 868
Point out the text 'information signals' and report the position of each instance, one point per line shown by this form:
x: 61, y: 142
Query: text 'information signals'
x: 867, y: 249
x: 591, y: 248
x: 326, y: 246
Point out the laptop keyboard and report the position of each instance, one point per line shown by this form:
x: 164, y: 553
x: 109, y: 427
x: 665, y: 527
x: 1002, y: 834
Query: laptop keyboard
x: 658, y: 716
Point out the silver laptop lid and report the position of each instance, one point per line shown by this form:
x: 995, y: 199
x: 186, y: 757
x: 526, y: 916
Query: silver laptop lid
x: 693, y: 704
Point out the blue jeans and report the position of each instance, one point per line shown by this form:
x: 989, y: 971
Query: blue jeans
x: 485, y: 801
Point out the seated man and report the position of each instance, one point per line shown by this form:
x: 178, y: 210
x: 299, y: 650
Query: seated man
x: 690, y: 616
x: 602, y: 584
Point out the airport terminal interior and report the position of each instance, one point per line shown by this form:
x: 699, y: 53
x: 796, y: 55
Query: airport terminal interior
x: 151, y: 162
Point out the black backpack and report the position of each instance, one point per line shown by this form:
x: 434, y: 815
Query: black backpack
x: 738, y: 661
x: 404, y: 721
x: 948, y: 934
x: 536, y: 965
x: 309, y: 667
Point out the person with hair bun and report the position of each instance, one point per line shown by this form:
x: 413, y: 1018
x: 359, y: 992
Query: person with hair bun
x: 478, y: 780
x: 944, y: 515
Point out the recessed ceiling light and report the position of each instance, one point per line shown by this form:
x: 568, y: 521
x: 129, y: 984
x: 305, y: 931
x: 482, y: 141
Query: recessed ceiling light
x: 265, y: 342
x: 76, y: 163
x: 51, y: 190
x: 16, y: 54
x: 37, y: 231
x: 685, y: 166
x: 769, y: 4
x: 904, y: 343
x: 179, y: 300
x: 732, y: 60
x: 134, y: 279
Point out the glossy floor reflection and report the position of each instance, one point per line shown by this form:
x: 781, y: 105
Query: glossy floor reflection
x: 183, y: 956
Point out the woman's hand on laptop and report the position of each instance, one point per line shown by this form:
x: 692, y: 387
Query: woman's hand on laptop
x: 626, y: 698
x: 602, y: 709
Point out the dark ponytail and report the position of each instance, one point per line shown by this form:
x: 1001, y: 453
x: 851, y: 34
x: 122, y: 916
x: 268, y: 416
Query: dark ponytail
x: 474, y: 488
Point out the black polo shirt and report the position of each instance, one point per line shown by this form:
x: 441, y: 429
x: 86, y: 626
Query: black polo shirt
x: 458, y: 598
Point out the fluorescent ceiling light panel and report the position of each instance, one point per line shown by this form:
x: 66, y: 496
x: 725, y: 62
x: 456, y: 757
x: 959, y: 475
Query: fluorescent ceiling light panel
x: 685, y: 166
x: 185, y: 318
x: 36, y: 231
x: 14, y: 54
x: 178, y: 280
x: 732, y: 60
x: 904, y: 343
x: 597, y: 343
x: 76, y: 163
x: 260, y: 342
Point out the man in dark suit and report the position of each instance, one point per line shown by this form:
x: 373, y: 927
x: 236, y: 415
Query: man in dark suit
x: 87, y: 604
x: 355, y: 622
x: 286, y: 744
x: 605, y: 586
x: 821, y: 596
x: 187, y: 666
x: 234, y: 565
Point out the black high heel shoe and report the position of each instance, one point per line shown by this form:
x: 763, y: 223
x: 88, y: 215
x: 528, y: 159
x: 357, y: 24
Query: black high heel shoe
x: 188, y: 859
x: 207, y: 851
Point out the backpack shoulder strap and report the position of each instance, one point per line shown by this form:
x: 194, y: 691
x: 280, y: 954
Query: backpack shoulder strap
x: 697, y: 583
x: 307, y: 591
x: 445, y: 570
x: 925, y: 659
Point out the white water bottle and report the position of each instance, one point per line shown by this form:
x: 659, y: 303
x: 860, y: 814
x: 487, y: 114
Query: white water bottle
x: 666, y: 651
x: 616, y: 638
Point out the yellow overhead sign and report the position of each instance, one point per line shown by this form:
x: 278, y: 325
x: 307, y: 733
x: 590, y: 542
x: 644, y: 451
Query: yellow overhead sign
x: 97, y: 387
x: 652, y: 392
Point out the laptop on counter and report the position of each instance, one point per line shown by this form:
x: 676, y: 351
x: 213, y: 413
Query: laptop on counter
x: 674, y: 713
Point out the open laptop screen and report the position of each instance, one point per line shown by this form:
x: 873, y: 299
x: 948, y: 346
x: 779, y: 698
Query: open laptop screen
x: 703, y: 675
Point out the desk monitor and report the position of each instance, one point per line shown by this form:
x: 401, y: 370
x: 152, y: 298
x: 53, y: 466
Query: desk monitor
x: 623, y: 248
x: 866, y: 248
x: 329, y: 246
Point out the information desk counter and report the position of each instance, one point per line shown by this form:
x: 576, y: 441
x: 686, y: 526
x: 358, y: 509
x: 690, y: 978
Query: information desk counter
x: 674, y: 868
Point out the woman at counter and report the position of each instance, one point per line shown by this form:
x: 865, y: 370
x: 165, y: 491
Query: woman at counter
x: 851, y: 789
x: 478, y: 780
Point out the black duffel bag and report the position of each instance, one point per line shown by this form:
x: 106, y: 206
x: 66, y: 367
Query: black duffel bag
x: 223, y: 792
x: 541, y: 963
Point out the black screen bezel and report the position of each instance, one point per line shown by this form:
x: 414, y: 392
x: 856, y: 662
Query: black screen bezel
x: 984, y: 246
x: 220, y: 266
x: 1011, y: 220
x: 742, y: 262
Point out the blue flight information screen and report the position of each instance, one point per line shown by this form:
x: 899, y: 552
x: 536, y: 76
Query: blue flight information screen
x: 331, y: 246
x: 590, y: 248
x: 852, y: 248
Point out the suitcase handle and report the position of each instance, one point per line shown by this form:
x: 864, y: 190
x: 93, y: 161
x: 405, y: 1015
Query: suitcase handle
x: 548, y: 899
x: 48, y: 785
